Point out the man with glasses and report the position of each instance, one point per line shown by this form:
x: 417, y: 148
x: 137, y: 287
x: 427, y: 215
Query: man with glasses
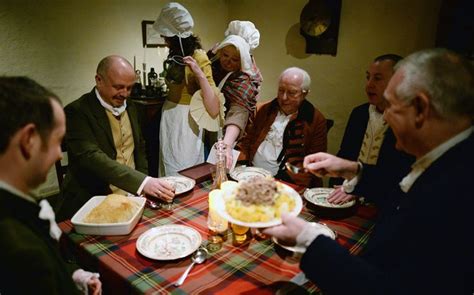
x: 106, y: 149
x: 286, y: 129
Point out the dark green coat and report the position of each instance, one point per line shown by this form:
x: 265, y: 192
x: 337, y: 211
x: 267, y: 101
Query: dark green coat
x: 91, y: 153
x: 30, y: 262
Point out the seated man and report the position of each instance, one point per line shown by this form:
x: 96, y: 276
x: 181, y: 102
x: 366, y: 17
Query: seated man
x: 422, y: 242
x: 367, y: 137
x: 106, y: 149
x: 33, y: 126
x: 285, y: 130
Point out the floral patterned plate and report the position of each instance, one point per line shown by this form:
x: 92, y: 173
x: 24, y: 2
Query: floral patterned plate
x: 181, y: 184
x: 168, y: 242
x: 243, y: 173
x: 318, y: 196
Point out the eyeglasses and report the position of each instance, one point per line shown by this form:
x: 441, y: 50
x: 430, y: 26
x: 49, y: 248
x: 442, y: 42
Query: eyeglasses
x: 291, y: 93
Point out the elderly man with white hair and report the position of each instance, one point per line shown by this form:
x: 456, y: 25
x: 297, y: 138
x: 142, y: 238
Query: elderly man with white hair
x: 422, y: 242
x: 286, y: 129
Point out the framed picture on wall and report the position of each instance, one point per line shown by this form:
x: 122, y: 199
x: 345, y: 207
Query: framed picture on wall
x: 151, y: 38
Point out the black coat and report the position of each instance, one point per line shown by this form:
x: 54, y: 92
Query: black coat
x: 30, y: 261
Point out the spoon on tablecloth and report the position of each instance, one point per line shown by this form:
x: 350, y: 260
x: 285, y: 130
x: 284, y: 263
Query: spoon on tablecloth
x: 198, y: 257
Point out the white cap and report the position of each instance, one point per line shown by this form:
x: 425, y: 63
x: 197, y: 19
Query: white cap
x: 174, y: 20
x: 246, y: 30
x: 243, y: 48
x: 245, y: 37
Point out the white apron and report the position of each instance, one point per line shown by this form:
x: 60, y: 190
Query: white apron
x: 181, y: 140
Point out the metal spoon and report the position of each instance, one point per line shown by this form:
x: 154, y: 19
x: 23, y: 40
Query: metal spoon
x: 294, y: 169
x: 198, y: 257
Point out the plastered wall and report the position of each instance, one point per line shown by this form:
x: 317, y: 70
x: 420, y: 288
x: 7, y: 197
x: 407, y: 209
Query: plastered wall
x: 59, y: 43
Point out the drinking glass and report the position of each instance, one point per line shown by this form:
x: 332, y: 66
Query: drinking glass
x: 240, y: 233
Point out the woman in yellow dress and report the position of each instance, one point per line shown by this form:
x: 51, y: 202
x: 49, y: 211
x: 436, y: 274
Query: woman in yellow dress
x: 188, y: 70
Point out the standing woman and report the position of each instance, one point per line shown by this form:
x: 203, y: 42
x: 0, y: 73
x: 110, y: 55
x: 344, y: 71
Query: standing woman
x: 236, y: 73
x: 188, y: 70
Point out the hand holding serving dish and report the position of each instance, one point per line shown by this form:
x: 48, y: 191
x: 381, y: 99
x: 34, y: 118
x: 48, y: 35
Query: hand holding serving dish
x: 300, y: 249
x: 257, y: 202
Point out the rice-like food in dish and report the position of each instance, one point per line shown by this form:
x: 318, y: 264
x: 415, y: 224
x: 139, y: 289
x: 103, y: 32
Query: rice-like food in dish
x: 113, y: 209
x: 259, y: 199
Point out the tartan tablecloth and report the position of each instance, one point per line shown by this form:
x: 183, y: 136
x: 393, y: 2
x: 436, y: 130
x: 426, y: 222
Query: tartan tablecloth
x: 257, y: 266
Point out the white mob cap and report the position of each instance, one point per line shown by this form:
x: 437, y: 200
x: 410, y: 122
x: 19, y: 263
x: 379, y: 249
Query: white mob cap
x: 174, y: 20
x: 246, y: 30
x: 245, y: 37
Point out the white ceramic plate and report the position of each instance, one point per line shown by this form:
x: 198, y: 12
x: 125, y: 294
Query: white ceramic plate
x: 318, y: 196
x: 181, y: 184
x: 301, y: 250
x: 243, y: 173
x: 168, y: 242
x: 105, y: 229
x: 221, y: 209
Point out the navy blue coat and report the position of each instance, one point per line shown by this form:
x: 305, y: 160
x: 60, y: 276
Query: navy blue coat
x: 422, y: 242
x: 392, y: 163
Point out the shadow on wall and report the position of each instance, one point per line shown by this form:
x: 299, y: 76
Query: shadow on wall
x: 295, y: 43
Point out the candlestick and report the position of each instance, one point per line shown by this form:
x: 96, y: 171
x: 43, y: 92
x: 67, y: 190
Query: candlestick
x: 144, y: 73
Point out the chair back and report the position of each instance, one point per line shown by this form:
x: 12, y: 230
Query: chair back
x: 61, y: 166
x: 329, y: 124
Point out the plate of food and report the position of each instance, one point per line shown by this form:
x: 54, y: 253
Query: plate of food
x: 257, y: 202
x: 181, y: 184
x: 241, y: 173
x: 108, y: 215
x: 318, y: 196
x: 168, y: 242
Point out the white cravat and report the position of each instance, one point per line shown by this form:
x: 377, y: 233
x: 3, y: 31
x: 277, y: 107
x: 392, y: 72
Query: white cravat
x: 271, y: 147
x: 424, y: 162
x: 47, y: 213
x: 115, y: 111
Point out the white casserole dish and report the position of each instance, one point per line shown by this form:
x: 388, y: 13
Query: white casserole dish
x: 105, y: 229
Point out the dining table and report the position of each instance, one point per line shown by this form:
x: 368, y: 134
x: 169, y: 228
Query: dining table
x: 257, y: 266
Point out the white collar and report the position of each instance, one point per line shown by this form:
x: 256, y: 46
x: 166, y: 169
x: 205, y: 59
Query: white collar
x: 424, y: 162
x: 115, y: 111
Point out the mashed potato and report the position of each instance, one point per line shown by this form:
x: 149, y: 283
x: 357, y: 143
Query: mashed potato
x: 259, y: 200
x: 113, y: 209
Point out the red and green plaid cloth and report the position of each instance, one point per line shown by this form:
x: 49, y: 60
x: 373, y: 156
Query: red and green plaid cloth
x: 257, y: 266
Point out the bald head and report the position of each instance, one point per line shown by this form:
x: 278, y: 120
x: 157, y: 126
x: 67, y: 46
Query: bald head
x: 112, y: 61
x: 114, y: 79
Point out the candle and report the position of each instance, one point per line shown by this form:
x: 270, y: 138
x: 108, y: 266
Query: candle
x: 216, y: 223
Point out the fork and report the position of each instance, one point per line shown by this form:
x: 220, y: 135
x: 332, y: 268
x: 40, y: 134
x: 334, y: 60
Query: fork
x: 293, y: 168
